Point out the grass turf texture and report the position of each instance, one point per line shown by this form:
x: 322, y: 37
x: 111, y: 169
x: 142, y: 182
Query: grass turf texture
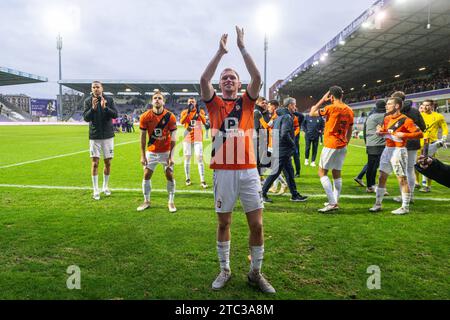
x: 124, y: 254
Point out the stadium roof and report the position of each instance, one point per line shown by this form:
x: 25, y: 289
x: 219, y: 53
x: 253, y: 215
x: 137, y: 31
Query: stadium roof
x: 132, y: 86
x: 9, y: 77
x: 391, y: 38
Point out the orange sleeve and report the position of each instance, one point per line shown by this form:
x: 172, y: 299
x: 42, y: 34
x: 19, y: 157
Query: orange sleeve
x: 143, y: 121
x: 183, y: 117
x: 297, y: 131
x: 213, y: 104
x: 248, y: 102
x: 413, y: 131
x: 172, y: 123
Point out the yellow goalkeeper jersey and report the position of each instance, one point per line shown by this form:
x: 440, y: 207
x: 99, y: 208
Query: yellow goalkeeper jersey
x: 434, y: 121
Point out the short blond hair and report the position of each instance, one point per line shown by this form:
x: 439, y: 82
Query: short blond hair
x: 156, y: 93
x: 230, y: 69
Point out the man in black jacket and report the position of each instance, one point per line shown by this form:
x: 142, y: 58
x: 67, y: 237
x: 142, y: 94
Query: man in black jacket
x: 283, y: 148
x: 434, y: 169
x: 99, y: 111
x: 313, y: 128
x: 413, y: 145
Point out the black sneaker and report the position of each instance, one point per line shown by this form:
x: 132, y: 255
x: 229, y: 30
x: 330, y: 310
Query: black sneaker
x: 266, y: 199
x: 297, y: 175
x: 299, y: 198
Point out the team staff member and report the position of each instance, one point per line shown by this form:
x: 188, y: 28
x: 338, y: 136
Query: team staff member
x: 233, y: 160
x: 338, y: 132
x: 99, y: 111
x: 193, y: 118
x: 283, y: 149
x: 313, y: 127
x: 298, y: 120
x: 160, y: 125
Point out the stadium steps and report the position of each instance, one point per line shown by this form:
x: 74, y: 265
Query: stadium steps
x: 13, y: 109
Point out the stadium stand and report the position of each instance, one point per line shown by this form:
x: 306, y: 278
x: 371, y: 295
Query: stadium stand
x: 372, y: 57
x: 9, y: 77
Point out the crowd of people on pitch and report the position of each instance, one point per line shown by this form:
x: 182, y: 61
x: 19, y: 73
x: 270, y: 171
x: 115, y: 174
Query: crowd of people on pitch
x: 123, y: 123
x: 418, y: 150
x: 248, y: 142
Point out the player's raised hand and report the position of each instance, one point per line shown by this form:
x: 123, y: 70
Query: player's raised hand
x: 240, y: 37
x: 326, y: 97
x: 223, y: 44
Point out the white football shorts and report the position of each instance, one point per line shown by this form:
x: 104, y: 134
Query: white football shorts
x: 229, y: 185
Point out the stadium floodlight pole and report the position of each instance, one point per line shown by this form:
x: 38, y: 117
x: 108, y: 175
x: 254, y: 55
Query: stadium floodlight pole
x: 266, y: 47
x: 59, y: 47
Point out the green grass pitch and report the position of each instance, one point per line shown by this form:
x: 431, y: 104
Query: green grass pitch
x: 124, y: 254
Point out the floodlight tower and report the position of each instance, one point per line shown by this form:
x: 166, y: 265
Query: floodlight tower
x: 59, y: 47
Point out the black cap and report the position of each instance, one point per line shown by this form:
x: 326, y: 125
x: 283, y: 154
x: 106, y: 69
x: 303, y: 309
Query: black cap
x: 380, y: 105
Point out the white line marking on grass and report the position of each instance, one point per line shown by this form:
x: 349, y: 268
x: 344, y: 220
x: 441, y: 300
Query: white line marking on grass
x: 347, y: 196
x: 59, y: 156
x: 356, y: 146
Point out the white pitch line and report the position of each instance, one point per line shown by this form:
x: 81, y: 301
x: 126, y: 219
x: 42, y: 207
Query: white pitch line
x: 59, y: 156
x: 347, y: 196
x: 356, y: 146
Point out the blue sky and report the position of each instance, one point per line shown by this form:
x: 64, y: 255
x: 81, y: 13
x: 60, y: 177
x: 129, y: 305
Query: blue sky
x: 157, y: 39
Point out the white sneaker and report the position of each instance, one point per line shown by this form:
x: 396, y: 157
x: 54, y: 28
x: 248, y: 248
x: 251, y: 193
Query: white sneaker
x: 307, y: 162
x: 172, y: 207
x: 313, y: 164
x: 329, y: 208
x: 96, y: 196
x: 325, y: 204
x: 401, y: 211
x: 221, y: 280
x: 107, y: 192
x: 204, y: 185
x: 376, y: 208
x: 143, y: 206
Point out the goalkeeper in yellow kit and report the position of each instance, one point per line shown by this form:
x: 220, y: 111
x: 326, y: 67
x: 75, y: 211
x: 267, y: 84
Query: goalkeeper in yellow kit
x: 433, y: 121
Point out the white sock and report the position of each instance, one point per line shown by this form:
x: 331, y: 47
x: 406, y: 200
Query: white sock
x: 171, y: 190
x: 187, y: 168
x: 257, y: 254
x: 95, y: 183
x: 406, y: 198
x: 105, y: 181
x: 337, y: 188
x: 146, y: 188
x: 326, y: 184
x: 380, y: 195
x: 201, y: 170
x: 223, y: 251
